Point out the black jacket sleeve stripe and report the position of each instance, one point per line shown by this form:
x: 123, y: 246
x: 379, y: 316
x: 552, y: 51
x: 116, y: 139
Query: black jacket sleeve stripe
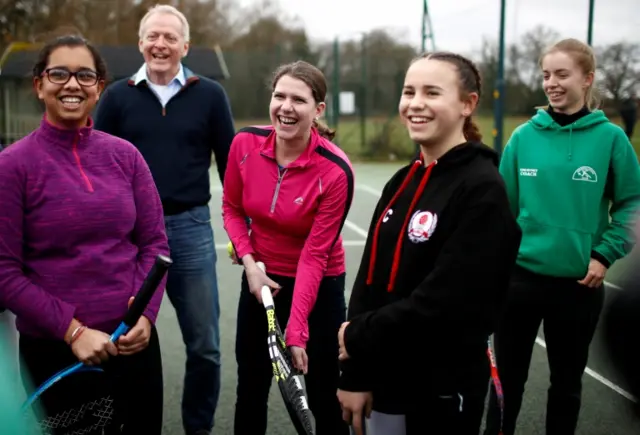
x: 342, y: 164
x: 264, y: 132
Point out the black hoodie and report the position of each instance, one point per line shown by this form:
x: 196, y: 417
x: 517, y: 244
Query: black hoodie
x: 434, y: 273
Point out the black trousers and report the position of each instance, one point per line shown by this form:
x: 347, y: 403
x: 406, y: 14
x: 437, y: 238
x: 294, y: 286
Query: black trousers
x: 570, y: 313
x: 136, y: 381
x: 254, y: 367
x: 629, y: 122
x: 621, y: 327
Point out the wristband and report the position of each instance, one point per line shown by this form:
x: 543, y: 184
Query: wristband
x: 76, y: 333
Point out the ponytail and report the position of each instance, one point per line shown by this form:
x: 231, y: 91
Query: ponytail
x: 324, y: 130
x: 591, y: 98
x: 471, y: 131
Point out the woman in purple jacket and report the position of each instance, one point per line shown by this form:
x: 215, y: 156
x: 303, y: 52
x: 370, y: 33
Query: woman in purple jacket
x: 81, y: 224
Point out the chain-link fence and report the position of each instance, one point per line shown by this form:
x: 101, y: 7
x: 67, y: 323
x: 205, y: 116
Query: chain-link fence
x: 363, y: 89
x: 362, y: 101
x: 20, y: 112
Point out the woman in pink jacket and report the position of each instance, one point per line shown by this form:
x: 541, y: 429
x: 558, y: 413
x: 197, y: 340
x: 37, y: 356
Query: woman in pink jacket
x: 296, y: 187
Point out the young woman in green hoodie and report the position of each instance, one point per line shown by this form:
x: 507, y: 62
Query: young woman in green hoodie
x: 574, y: 185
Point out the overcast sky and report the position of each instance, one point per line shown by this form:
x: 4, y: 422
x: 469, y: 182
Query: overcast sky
x: 461, y: 24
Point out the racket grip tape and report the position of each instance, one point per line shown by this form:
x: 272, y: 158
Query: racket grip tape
x: 265, y: 291
x: 147, y: 290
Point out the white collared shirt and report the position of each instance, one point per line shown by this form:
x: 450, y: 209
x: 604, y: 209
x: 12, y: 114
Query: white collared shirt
x: 163, y: 92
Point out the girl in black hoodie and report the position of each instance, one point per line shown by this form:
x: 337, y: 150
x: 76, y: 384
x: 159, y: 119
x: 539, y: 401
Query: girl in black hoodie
x: 441, y: 247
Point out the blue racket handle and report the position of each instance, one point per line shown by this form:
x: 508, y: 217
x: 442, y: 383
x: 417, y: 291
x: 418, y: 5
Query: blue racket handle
x: 139, y: 304
x: 141, y: 300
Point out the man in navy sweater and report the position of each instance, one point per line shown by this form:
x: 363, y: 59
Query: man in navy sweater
x: 177, y: 119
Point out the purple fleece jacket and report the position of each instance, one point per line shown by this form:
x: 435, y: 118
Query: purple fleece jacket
x: 80, y: 226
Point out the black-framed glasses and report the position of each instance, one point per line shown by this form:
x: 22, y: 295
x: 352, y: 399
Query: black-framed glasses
x: 61, y: 76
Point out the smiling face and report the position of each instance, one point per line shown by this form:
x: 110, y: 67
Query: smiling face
x: 293, y: 108
x: 564, y: 82
x: 70, y: 86
x: 163, y: 46
x: 431, y: 106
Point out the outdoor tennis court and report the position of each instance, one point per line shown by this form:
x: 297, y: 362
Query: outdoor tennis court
x: 605, y: 409
x: 605, y: 402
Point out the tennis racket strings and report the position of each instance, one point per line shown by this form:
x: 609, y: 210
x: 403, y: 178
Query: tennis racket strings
x: 287, y: 377
x: 88, y: 418
x: 80, y: 399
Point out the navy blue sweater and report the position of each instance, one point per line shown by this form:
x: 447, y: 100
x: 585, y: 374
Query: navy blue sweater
x: 177, y: 140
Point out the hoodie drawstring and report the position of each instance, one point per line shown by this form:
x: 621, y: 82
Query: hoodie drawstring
x: 570, y: 142
x: 398, y: 249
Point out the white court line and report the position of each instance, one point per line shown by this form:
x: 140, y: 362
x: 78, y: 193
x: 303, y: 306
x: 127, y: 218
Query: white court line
x: 595, y: 375
x: 369, y: 189
x: 598, y: 377
x: 347, y: 224
x: 355, y: 228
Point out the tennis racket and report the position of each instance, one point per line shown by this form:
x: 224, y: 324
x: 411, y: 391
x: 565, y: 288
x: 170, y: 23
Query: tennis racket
x: 495, y: 380
x: 92, y: 411
x: 287, y: 377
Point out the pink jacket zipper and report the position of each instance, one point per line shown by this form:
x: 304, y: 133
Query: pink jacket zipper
x: 79, y: 163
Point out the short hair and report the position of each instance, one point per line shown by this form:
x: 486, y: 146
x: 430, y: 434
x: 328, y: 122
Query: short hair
x: 169, y: 10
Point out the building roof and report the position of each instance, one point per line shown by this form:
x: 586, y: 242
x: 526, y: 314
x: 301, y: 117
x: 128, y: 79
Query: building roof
x: 122, y: 61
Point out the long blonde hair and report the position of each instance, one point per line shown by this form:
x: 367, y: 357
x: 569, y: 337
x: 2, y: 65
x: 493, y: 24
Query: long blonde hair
x: 583, y: 55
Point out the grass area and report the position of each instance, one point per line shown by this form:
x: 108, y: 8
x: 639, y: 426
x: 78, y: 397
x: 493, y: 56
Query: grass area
x: 386, y: 138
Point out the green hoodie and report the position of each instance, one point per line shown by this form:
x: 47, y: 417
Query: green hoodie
x: 561, y: 182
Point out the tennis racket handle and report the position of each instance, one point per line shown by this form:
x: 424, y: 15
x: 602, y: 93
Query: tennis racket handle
x: 147, y: 290
x: 265, y: 291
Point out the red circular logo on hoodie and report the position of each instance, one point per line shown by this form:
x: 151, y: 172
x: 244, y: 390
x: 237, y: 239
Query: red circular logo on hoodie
x: 421, y: 226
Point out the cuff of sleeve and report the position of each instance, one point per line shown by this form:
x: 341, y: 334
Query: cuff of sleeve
x: 68, y: 311
x: 352, y: 340
x: 243, y: 250
x: 601, y: 258
x: 296, y: 338
x: 151, y: 315
x: 354, y: 377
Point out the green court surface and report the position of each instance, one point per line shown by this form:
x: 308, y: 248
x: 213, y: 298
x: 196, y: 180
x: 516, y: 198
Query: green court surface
x: 606, y: 404
x: 605, y: 408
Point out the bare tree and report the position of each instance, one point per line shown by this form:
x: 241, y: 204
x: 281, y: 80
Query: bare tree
x: 619, y: 68
x: 522, y: 69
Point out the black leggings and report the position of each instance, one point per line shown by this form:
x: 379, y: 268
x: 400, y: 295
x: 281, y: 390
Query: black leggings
x: 254, y: 367
x: 570, y: 312
x: 137, y: 381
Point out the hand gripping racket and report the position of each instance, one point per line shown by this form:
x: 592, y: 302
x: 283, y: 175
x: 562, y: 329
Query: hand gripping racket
x: 288, y: 379
x: 95, y: 411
